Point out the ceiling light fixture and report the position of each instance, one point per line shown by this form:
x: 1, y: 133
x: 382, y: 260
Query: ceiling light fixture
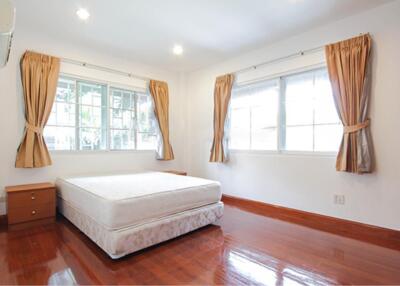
x: 83, y: 14
x: 178, y: 50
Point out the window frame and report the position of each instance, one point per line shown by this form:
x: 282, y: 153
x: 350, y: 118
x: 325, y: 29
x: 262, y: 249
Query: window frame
x: 108, y: 85
x: 281, y: 125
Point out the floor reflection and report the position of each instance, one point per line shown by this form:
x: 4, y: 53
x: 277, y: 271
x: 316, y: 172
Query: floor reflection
x: 251, y: 270
x: 255, y: 267
x: 244, y: 249
x: 64, y: 277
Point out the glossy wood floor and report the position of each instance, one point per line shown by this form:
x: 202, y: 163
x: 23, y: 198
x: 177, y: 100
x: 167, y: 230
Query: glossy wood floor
x: 245, y: 248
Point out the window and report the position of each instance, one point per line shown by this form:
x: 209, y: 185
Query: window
x: 133, y: 125
x: 292, y: 113
x: 311, y: 120
x: 254, y: 117
x: 96, y: 116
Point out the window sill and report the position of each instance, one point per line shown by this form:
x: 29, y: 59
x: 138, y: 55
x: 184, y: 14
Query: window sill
x: 284, y: 153
x: 88, y: 152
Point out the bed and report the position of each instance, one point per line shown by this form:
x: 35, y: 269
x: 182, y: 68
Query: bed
x: 125, y: 213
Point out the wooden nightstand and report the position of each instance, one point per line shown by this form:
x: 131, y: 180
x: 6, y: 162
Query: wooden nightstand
x: 181, y: 173
x: 31, y: 203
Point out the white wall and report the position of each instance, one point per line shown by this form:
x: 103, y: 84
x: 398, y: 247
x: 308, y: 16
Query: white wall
x: 64, y: 163
x: 301, y: 182
x: 310, y: 182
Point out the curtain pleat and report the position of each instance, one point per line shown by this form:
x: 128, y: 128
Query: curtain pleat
x: 159, y: 93
x: 222, y: 97
x: 348, y: 67
x: 39, y: 80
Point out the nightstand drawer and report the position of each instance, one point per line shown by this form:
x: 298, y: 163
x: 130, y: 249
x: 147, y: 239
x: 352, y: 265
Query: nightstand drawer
x: 24, y: 214
x: 30, y: 198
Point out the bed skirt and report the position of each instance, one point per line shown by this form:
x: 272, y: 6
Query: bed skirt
x: 121, y: 242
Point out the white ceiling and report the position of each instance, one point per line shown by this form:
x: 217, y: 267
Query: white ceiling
x: 209, y: 30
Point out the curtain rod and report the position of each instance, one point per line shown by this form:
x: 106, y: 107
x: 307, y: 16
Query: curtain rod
x: 105, y: 69
x: 294, y: 55
x: 277, y: 60
x: 253, y: 67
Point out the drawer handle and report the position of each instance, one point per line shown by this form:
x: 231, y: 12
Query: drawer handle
x: 33, y: 198
x: 33, y: 212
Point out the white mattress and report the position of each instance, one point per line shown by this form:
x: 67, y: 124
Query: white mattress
x: 119, y: 201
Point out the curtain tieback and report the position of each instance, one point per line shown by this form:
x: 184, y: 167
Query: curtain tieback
x: 219, y: 137
x: 354, y: 128
x: 33, y: 128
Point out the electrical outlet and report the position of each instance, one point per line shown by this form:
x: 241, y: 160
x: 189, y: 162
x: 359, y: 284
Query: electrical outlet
x: 339, y: 199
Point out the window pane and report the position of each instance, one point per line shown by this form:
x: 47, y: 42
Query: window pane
x: 53, y: 116
x: 92, y: 94
x: 299, y: 138
x: 122, y: 99
x: 263, y: 127
x: 123, y: 117
x: 328, y: 137
x: 264, y: 110
x: 309, y: 102
x: 264, y: 139
x: 92, y: 139
x: 116, y: 98
x: 254, y: 116
x: 65, y: 90
x: 122, y: 139
x: 299, y: 99
x: 65, y: 114
x: 90, y: 116
x: 62, y: 137
x: 240, y: 100
x: 240, y: 129
x: 62, y: 114
x: 128, y: 119
x: 325, y: 111
x: 123, y: 112
x: 147, y: 141
x: 116, y: 118
x: 59, y: 138
x: 146, y: 120
x: 127, y: 100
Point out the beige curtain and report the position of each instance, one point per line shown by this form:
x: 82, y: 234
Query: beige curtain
x: 159, y: 92
x: 39, y: 80
x: 348, y: 67
x: 222, y: 96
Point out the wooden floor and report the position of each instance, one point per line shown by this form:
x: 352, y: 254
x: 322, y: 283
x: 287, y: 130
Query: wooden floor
x: 245, y: 248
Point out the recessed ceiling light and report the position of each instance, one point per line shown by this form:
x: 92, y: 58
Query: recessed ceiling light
x: 178, y: 50
x: 83, y: 14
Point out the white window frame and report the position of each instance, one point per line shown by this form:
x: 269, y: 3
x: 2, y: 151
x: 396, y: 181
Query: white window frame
x: 281, y: 122
x: 108, y: 85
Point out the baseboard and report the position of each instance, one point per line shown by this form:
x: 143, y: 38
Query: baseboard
x: 373, y: 234
x: 2, y: 206
x: 3, y: 216
x: 3, y: 219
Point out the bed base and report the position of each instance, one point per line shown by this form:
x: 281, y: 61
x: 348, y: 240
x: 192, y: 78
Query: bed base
x: 121, y: 242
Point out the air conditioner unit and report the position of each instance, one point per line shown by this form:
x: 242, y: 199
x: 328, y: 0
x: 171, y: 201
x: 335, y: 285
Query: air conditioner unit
x: 7, y: 21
